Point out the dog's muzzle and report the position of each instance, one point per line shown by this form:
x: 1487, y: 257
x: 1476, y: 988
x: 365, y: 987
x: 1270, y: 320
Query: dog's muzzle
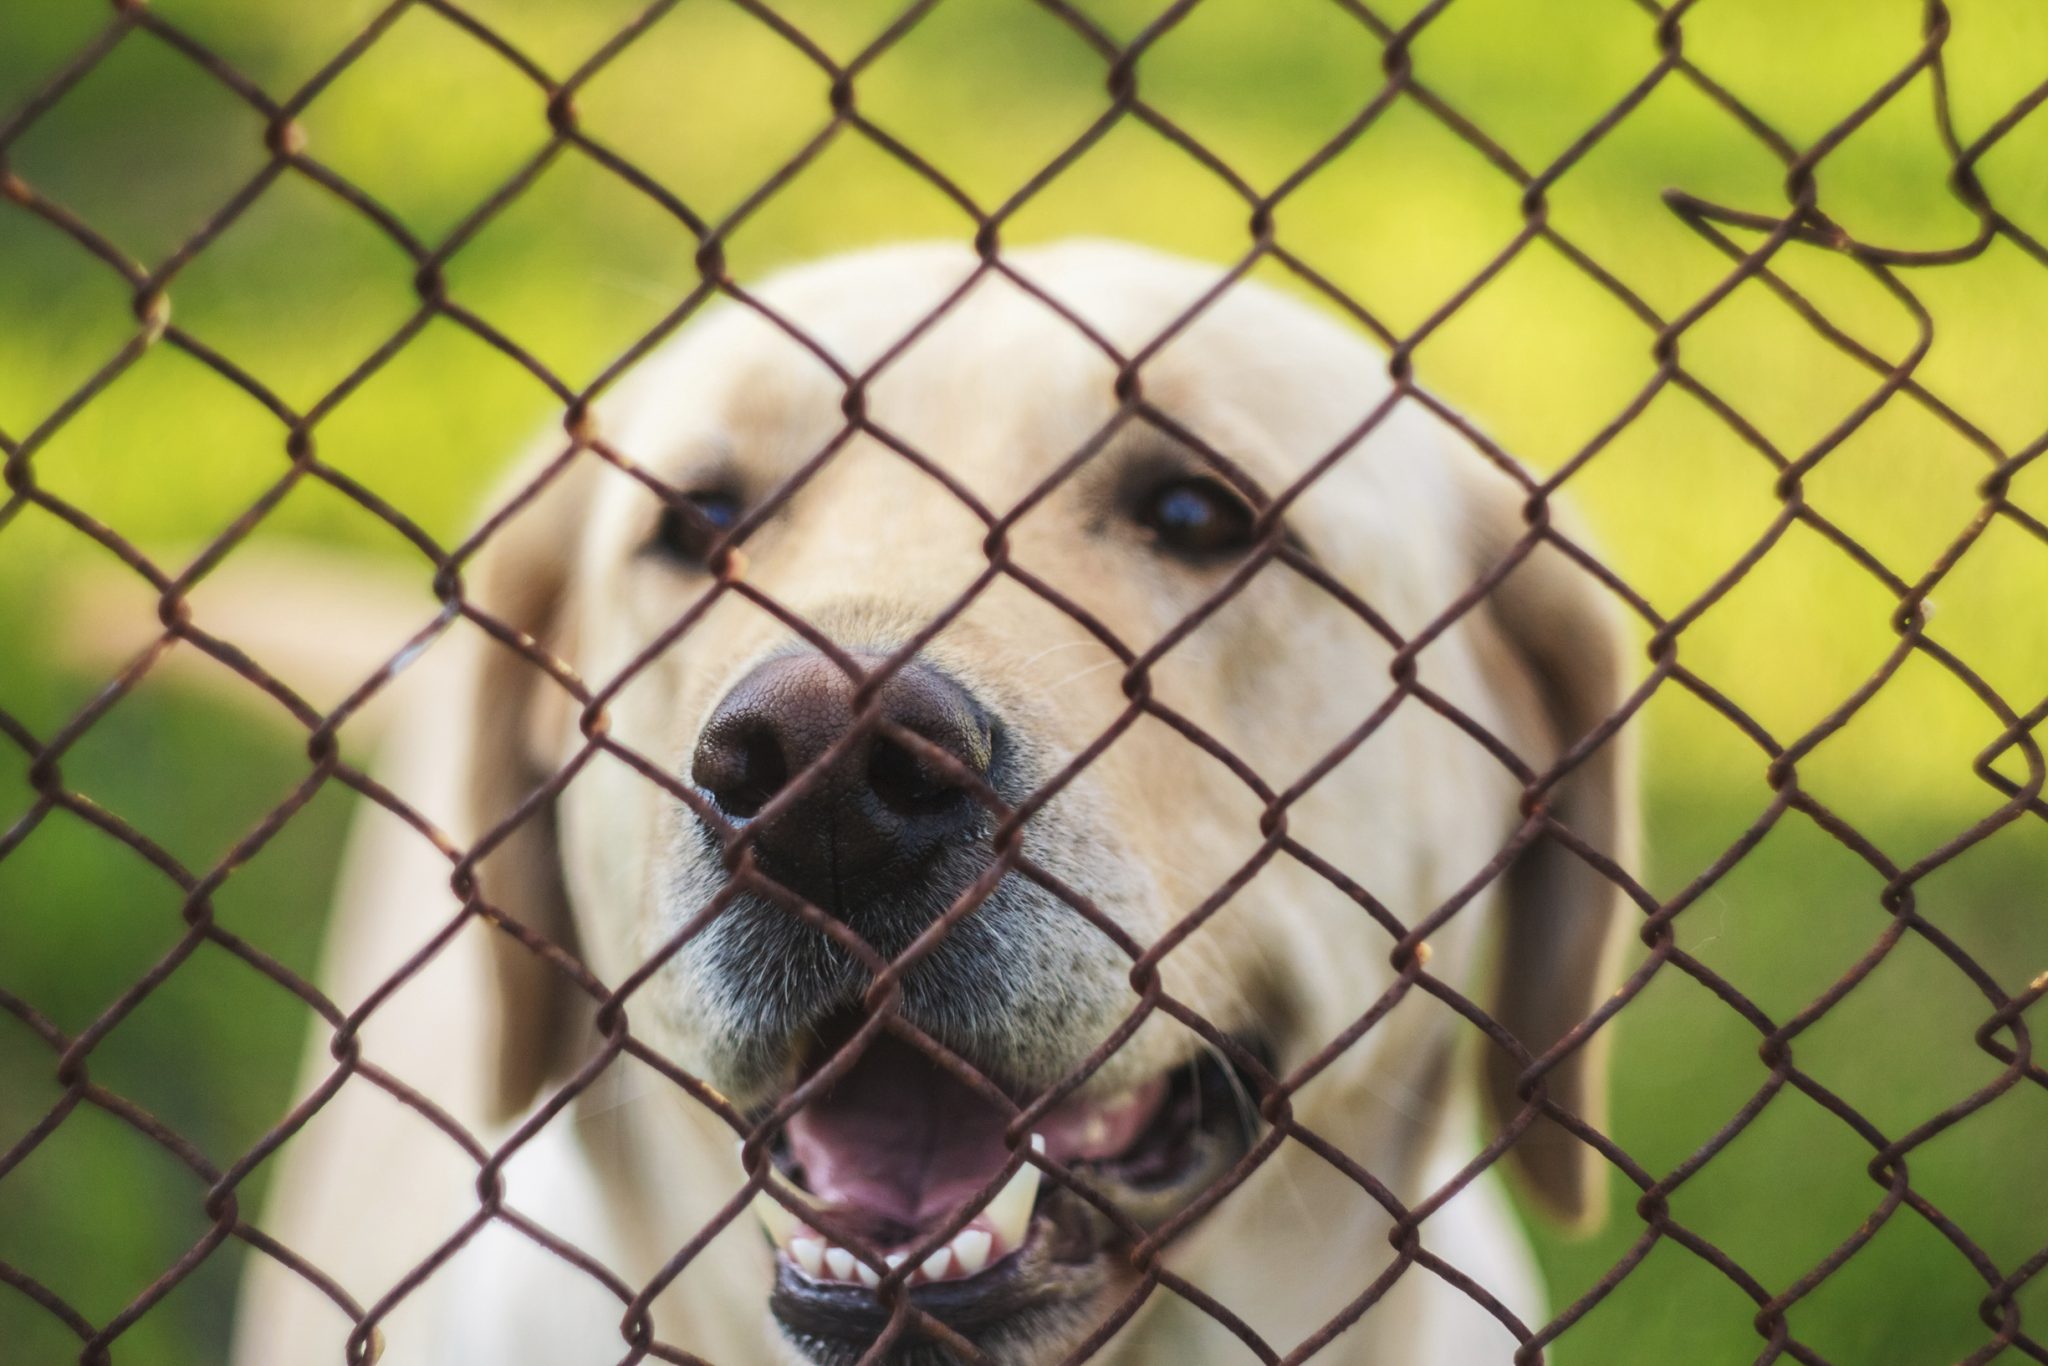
x: 876, y: 808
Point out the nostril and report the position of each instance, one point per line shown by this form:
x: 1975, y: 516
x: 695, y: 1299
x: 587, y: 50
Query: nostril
x: 909, y: 784
x: 742, y: 767
x: 766, y: 771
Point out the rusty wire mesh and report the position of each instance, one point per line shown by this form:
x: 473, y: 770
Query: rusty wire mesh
x: 2012, y: 766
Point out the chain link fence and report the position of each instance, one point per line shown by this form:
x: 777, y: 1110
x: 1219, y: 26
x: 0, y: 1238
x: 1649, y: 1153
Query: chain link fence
x: 1761, y: 247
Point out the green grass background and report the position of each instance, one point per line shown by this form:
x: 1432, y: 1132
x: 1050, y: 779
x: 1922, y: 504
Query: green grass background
x: 300, y: 288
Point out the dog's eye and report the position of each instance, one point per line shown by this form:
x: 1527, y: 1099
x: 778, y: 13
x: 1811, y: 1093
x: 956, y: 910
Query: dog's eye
x: 1198, y: 517
x: 692, y: 525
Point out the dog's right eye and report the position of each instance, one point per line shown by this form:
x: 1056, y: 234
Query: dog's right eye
x: 691, y: 525
x: 1199, y: 518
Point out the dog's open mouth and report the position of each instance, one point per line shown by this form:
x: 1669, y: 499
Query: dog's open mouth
x: 897, y: 1149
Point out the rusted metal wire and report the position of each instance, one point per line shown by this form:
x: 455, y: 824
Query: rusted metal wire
x: 2012, y: 766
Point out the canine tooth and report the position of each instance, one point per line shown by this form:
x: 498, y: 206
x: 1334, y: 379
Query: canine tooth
x: 970, y: 1250
x: 869, y: 1277
x: 938, y: 1264
x: 1009, y: 1214
x: 780, y: 1223
x: 809, y: 1254
x: 896, y: 1259
x: 840, y: 1262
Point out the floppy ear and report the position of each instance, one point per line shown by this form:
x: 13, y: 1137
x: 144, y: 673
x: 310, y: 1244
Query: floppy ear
x: 514, y: 713
x: 1551, y: 646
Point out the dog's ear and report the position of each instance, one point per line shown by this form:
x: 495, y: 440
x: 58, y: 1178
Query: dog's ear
x: 1551, y: 646
x: 514, y: 714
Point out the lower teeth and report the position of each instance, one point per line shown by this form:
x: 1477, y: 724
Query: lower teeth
x: 967, y: 1255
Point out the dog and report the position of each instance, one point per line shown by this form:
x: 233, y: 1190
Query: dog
x: 1215, y: 770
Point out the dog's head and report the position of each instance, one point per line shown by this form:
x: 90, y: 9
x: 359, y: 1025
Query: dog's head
x: 1170, y: 803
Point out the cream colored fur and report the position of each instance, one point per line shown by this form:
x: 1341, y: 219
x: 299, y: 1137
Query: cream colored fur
x: 998, y: 393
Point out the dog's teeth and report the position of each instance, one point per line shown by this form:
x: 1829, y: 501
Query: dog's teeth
x: 896, y: 1259
x: 970, y: 1250
x: 809, y: 1254
x: 780, y: 1223
x: 840, y: 1263
x: 869, y: 1277
x: 938, y: 1264
x: 1009, y: 1214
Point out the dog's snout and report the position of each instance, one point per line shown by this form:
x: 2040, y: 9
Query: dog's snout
x: 880, y: 807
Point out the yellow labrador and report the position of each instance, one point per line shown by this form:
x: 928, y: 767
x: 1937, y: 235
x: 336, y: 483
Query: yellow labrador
x: 1249, y: 798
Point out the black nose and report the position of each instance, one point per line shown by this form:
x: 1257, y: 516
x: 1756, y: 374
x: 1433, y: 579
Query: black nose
x: 876, y: 815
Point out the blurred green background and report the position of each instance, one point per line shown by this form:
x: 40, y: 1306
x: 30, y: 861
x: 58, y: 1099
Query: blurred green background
x: 710, y: 101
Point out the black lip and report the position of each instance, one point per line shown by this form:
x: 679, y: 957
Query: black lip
x: 1048, y: 1289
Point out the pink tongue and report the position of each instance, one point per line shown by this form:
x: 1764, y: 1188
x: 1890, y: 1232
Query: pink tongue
x: 900, y: 1138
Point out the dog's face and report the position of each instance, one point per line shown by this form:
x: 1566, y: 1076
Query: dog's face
x: 1236, y: 790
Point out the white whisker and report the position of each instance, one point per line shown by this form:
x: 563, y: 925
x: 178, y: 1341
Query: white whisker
x: 1083, y: 673
x: 619, y: 1099
x: 1055, y: 649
